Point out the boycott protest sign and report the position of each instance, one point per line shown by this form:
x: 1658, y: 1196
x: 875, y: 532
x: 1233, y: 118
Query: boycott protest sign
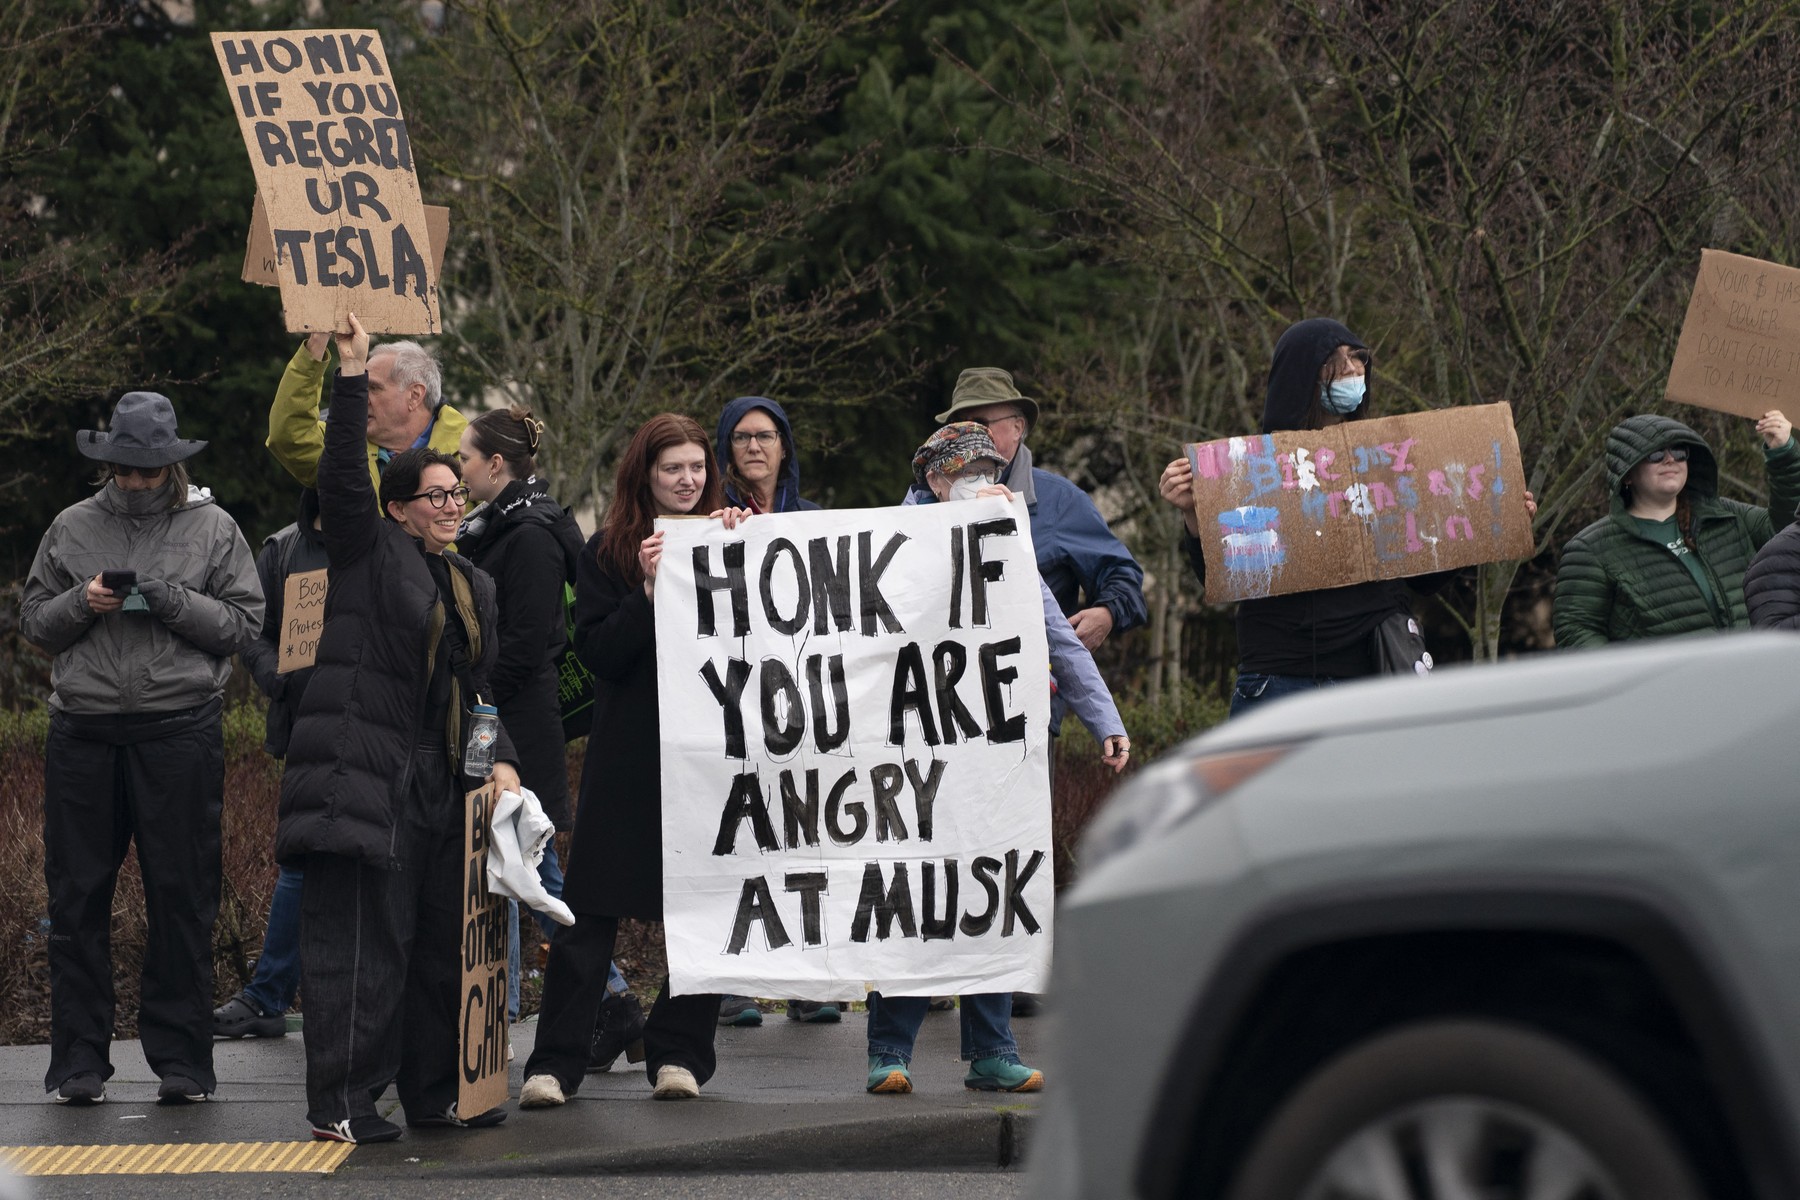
x: 259, y: 247
x: 327, y: 141
x: 855, y: 742
x: 1739, y: 350
x: 481, y: 1057
x: 1380, y: 499
x: 302, y: 620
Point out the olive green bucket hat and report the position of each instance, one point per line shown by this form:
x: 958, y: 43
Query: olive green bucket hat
x: 978, y: 387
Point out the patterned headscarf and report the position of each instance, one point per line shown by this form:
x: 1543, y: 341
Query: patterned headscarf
x: 954, y: 447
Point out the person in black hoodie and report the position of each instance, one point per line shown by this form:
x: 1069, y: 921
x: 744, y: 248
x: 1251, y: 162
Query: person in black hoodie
x: 373, y: 798
x: 259, y: 1007
x: 529, y: 544
x: 1319, y: 376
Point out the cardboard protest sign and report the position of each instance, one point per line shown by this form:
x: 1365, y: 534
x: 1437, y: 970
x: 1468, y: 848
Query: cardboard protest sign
x: 327, y: 140
x: 481, y: 1056
x: 259, y: 246
x: 1739, y: 350
x: 1379, y: 499
x: 302, y: 620
x: 855, y: 753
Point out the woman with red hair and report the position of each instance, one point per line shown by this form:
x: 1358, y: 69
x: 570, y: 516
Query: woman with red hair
x: 615, y: 868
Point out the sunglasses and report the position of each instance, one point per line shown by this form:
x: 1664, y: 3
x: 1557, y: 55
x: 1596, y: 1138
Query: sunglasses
x: 121, y: 471
x: 1678, y: 454
x: 438, y: 496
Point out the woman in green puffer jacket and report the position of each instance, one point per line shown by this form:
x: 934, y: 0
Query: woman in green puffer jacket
x: 1670, y: 558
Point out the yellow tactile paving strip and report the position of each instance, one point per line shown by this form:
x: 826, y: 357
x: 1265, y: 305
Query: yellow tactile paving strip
x: 313, y: 1157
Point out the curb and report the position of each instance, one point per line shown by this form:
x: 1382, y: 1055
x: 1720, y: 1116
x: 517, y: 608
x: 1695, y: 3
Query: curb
x: 995, y: 1138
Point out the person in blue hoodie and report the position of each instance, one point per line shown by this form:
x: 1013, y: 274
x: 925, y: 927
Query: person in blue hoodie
x: 762, y: 474
x: 756, y: 446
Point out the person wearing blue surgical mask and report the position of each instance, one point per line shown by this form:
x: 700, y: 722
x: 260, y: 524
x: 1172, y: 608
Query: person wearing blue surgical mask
x: 1319, y: 376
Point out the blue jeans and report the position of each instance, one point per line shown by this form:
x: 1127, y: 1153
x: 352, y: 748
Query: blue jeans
x: 1254, y: 689
x: 277, y: 975
x: 550, y: 872
x: 986, y: 1025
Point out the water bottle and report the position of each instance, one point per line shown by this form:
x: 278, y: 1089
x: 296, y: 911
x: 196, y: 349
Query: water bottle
x: 484, y: 729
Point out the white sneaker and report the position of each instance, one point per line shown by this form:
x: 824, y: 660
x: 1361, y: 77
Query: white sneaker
x: 675, y: 1083
x: 542, y: 1091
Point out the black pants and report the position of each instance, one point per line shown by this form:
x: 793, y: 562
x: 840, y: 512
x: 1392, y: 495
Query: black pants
x: 158, y: 780
x: 679, y: 1032
x: 380, y: 956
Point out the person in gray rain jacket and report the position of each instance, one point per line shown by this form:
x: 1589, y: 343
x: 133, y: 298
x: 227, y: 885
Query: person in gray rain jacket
x: 142, y: 592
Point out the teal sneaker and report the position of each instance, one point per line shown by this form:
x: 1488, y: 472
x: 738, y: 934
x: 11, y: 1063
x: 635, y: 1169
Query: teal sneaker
x: 1002, y: 1073
x: 888, y: 1076
x: 741, y: 1011
x: 813, y: 1012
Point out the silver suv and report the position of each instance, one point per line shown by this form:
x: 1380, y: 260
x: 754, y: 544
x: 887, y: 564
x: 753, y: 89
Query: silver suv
x: 1519, y: 931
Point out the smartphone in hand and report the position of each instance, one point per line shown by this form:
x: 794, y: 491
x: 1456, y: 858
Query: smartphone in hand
x: 119, y: 583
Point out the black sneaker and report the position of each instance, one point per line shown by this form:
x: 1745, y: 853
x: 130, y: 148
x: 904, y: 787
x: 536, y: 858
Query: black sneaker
x: 813, y: 1012
x: 179, y: 1089
x: 739, y: 1010
x: 449, y: 1120
x: 620, y: 1030
x: 238, y: 1017
x: 82, y: 1090
x: 360, y: 1131
x: 1027, y: 1004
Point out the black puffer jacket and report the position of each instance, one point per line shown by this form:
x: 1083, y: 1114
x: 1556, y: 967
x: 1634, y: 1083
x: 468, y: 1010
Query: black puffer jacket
x: 1772, y: 584
x: 526, y: 542
x: 1615, y: 584
x: 350, y: 759
x: 292, y: 550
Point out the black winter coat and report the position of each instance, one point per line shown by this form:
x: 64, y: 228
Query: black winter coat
x: 293, y: 550
x: 526, y: 542
x: 615, y: 867
x: 350, y: 759
x: 1772, y: 584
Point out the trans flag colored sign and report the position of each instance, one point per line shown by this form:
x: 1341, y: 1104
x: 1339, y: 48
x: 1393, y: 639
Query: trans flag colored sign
x: 1380, y: 499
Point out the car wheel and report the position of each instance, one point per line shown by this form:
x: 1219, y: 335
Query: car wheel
x: 1464, y: 1108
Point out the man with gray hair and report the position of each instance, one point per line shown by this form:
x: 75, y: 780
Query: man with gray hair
x: 406, y: 408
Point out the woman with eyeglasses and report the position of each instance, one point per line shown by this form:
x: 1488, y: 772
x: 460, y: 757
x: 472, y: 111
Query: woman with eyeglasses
x: 615, y: 866
x: 1670, y: 557
x: 372, y: 800
x: 755, y: 445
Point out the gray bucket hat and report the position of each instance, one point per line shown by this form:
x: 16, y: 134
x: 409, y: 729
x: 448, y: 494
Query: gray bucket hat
x: 978, y: 387
x: 140, y: 434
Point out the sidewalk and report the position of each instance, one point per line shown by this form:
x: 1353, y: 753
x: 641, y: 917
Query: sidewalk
x: 786, y: 1097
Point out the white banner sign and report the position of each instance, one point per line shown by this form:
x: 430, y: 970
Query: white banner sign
x: 855, y: 737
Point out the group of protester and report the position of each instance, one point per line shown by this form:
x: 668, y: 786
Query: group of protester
x: 448, y: 559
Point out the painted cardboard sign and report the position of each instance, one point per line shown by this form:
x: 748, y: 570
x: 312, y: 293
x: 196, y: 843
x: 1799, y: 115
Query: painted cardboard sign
x: 259, y: 246
x: 321, y: 120
x: 1739, y: 350
x: 855, y: 750
x: 1379, y: 499
x: 302, y: 620
x: 481, y: 1019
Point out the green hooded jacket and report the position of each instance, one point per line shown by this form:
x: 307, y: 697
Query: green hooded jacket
x: 1615, y: 584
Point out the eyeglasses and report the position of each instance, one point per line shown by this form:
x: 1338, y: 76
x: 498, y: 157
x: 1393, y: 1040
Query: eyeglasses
x: 1676, y: 454
x: 990, y: 422
x: 121, y: 471
x: 762, y: 437
x: 437, y: 496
